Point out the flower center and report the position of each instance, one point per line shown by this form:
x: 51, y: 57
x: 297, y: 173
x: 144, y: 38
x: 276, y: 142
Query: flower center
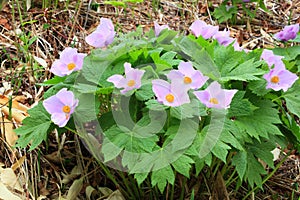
x: 66, y: 109
x: 275, y: 79
x: 71, y: 66
x: 170, y: 98
x: 131, y: 83
x: 187, y: 80
x: 213, y: 101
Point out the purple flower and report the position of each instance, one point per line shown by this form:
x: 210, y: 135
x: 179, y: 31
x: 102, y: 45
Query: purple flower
x: 103, y: 35
x: 288, y: 33
x: 272, y: 59
x: 199, y: 27
x: 215, y: 97
x: 68, y: 62
x: 61, y: 106
x: 188, y: 76
x: 158, y: 28
x: 223, y: 38
x: 170, y: 94
x: 246, y: 1
x: 132, y: 79
x: 279, y: 78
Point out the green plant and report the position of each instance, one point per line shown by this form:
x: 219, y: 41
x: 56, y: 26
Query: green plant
x: 227, y: 12
x: 154, y: 140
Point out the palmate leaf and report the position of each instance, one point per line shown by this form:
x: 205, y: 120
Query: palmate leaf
x: 130, y: 140
x: 226, y: 58
x: 240, y: 106
x: 247, y: 164
x: 262, y: 122
x: 292, y: 99
x: 192, y: 51
x: 247, y: 71
x: 161, y: 177
x: 183, y: 165
x: 222, y: 13
x: 35, y: 127
x: 190, y: 110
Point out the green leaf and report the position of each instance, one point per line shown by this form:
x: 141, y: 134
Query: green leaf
x: 144, y: 92
x: 240, y: 162
x: 161, y: 64
x: 254, y: 171
x: 188, y: 110
x: 53, y: 81
x: 220, y: 150
x: 247, y: 71
x: 88, y: 107
x: 166, y: 36
x: 35, y: 128
x: 240, y: 106
x: 169, y: 57
x: 264, y: 118
x: 110, y: 150
x: 289, y: 53
x: 183, y: 165
x: 161, y: 177
x: 226, y: 58
x: 153, y: 104
x: 292, y: 99
x: 140, y: 177
x: 258, y: 87
x: 131, y: 141
x: 229, y: 133
x: 202, y: 60
x: 262, y: 150
x: 224, y: 13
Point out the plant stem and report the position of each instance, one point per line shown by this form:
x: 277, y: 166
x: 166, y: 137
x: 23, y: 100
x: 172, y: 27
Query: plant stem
x: 125, y: 181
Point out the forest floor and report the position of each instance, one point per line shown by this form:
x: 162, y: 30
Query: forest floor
x: 50, y: 171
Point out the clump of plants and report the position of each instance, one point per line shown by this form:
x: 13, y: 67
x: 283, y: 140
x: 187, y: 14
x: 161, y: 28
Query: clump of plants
x: 160, y: 103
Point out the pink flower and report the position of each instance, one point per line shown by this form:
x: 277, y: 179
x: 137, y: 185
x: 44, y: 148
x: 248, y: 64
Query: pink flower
x: 173, y: 94
x: 103, y: 35
x: 272, y: 59
x: 288, y: 33
x: 61, y: 106
x: 132, y: 79
x: 223, y: 38
x: 279, y: 78
x: 68, y: 62
x: 158, y: 28
x: 199, y: 27
x: 188, y: 76
x: 215, y: 97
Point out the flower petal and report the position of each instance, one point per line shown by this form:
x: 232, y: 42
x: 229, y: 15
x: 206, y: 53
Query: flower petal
x: 161, y: 88
x: 118, y: 80
x: 66, y: 97
x: 60, y: 119
x: 59, y: 68
x: 158, y: 28
x: 66, y: 56
x: 53, y: 105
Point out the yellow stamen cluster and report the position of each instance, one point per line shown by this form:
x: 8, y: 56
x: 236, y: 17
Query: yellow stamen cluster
x: 170, y: 98
x: 131, y: 83
x: 275, y: 79
x: 66, y: 109
x: 213, y: 101
x: 71, y: 66
x: 187, y: 80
